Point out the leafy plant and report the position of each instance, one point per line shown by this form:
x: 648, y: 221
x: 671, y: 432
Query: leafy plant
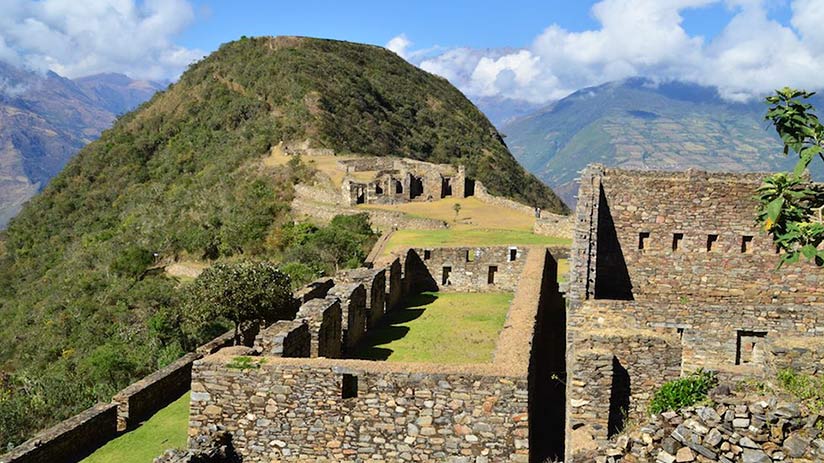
x: 790, y: 210
x: 245, y: 363
x: 806, y: 388
x: 683, y: 392
x: 240, y: 292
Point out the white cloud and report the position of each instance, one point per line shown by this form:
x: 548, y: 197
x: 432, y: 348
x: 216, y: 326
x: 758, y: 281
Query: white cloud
x: 399, y: 44
x: 752, y: 55
x: 81, y: 38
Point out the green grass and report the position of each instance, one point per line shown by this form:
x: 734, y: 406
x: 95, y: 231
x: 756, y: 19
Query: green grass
x: 402, y: 239
x: 440, y: 327
x: 563, y: 270
x: 167, y: 429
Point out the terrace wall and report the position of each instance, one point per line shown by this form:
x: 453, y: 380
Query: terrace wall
x: 324, y: 318
x: 70, y: 440
x: 367, y: 410
x: 352, y: 298
x: 287, y: 338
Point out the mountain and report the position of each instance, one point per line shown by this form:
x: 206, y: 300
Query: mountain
x: 501, y: 111
x: 639, y: 124
x: 85, y: 306
x: 45, y: 119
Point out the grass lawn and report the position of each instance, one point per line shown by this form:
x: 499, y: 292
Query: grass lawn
x: 440, y: 327
x: 167, y: 429
x: 403, y: 239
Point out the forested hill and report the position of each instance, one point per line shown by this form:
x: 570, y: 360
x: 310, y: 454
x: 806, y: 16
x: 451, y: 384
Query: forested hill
x: 84, y: 308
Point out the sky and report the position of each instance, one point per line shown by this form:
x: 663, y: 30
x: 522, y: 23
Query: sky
x: 536, y: 51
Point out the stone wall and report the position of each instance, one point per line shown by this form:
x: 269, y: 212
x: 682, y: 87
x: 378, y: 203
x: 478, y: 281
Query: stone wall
x: 70, y: 440
x: 384, y: 220
x: 711, y: 335
x: 142, y: 399
x: 369, y: 410
x: 397, y: 180
x: 464, y: 269
x: 352, y: 298
x: 482, y: 194
x: 394, y: 285
x: 799, y: 354
x: 324, y: 318
x: 286, y: 338
x: 611, y: 378
x: 374, y: 281
x: 680, y: 254
x: 549, y: 224
x: 665, y: 236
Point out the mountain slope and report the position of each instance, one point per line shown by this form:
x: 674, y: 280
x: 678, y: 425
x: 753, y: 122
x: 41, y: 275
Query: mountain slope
x: 45, y: 119
x: 640, y: 125
x: 82, y: 294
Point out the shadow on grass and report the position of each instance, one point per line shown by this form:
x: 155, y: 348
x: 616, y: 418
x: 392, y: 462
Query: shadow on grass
x: 388, y: 329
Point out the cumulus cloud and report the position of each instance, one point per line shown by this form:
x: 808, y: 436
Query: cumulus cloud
x: 81, y: 38
x: 752, y: 55
x: 399, y: 44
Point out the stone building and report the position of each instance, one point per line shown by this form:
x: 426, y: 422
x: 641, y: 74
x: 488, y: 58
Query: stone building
x: 670, y: 273
x: 387, y: 180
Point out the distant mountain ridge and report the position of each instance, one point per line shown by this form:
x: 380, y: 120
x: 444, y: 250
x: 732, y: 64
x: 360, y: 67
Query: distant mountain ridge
x: 45, y: 119
x: 640, y: 124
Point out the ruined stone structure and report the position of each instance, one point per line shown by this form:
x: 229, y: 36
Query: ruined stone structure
x: 387, y: 180
x: 669, y: 274
x: 339, y: 409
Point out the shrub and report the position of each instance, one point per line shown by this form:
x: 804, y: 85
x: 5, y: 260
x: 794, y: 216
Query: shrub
x: 808, y: 389
x: 683, y: 392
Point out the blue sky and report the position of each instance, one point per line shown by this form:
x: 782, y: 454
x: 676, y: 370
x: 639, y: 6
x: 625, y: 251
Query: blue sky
x: 534, y: 51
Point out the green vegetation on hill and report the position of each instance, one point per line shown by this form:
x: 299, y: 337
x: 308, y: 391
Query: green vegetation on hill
x: 85, y: 307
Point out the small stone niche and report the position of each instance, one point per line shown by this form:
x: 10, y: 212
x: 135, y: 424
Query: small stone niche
x: 643, y: 240
x: 349, y: 386
x: 750, y: 347
x: 746, y: 244
x: 677, y: 241
x: 712, y: 243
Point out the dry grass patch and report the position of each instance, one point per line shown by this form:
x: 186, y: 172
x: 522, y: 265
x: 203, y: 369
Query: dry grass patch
x: 474, y: 214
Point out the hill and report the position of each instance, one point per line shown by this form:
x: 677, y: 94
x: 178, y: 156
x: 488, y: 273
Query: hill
x: 642, y: 125
x: 46, y: 119
x: 83, y: 295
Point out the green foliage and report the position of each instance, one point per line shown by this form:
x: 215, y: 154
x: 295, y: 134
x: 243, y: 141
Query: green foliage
x: 240, y: 292
x: 683, y: 392
x: 806, y: 388
x: 790, y: 210
x: 309, y: 251
x: 245, y: 363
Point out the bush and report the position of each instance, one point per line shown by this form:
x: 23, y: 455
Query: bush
x: 808, y: 389
x: 683, y: 392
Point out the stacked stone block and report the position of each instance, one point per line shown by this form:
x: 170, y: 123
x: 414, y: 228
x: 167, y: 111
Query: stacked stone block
x: 324, y: 319
x: 352, y: 298
x: 374, y: 281
x: 286, y: 338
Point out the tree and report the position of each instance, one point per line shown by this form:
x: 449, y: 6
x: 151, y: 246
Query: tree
x: 791, y: 208
x: 240, y: 292
x: 457, y: 208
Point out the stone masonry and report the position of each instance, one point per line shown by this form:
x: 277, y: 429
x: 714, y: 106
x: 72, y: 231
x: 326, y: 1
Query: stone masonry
x: 675, y: 256
x: 353, y: 312
x: 324, y: 317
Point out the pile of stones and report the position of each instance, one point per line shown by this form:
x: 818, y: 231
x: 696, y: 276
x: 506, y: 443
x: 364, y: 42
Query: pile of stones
x: 731, y: 430
x: 213, y: 448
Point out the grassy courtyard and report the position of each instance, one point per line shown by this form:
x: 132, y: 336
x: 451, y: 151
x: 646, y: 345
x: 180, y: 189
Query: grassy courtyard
x: 165, y: 430
x: 440, y: 327
x: 403, y: 239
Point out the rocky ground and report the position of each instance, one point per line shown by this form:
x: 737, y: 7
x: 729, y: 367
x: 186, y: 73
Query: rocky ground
x: 732, y: 429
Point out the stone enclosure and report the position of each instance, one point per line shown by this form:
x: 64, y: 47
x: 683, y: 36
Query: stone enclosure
x: 388, y: 180
x: 330, y: 408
